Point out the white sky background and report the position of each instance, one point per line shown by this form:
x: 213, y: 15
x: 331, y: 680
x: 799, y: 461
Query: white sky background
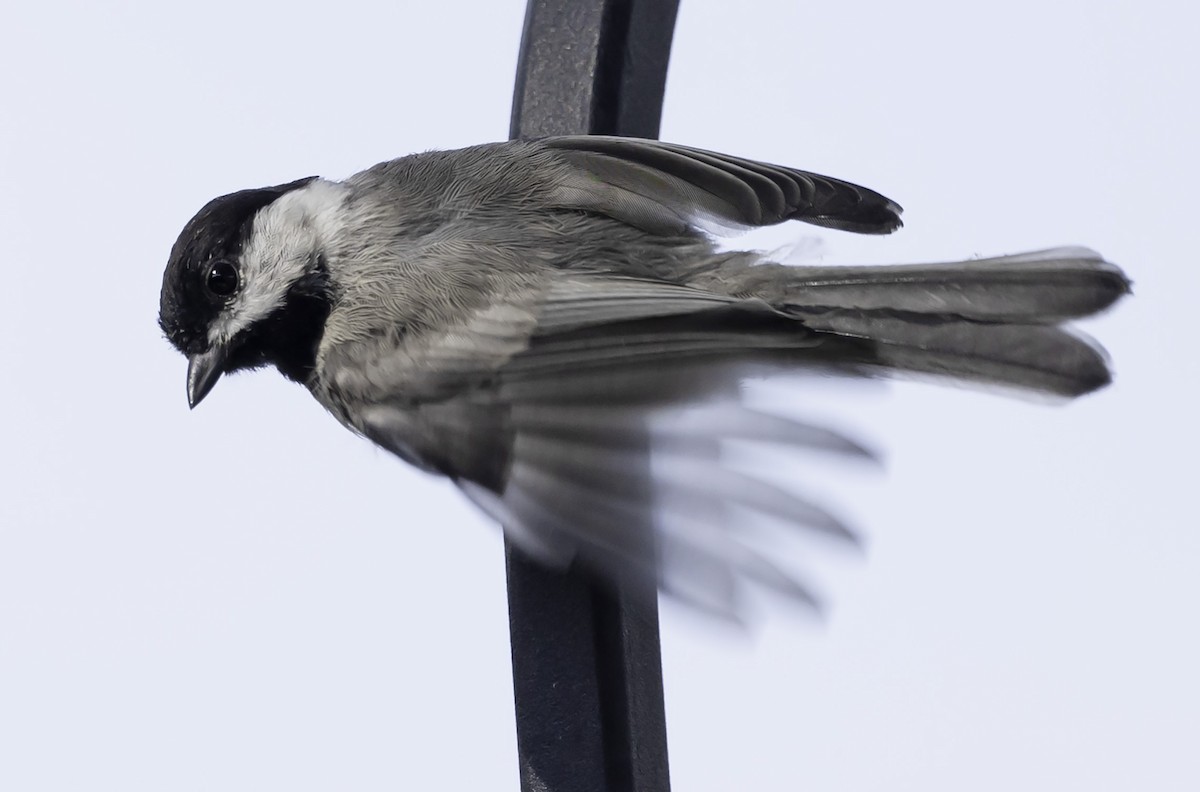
x: 248, y: 597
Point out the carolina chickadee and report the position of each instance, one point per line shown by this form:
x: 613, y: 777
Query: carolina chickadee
x: 532, y: 318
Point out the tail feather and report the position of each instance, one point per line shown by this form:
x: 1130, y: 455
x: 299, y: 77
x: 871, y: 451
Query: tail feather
x: 994, y: 321
x: 1041, y: 358
x: 1043, y: 287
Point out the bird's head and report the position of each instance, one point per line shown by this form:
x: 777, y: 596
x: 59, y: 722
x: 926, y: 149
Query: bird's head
x: 245, y: 285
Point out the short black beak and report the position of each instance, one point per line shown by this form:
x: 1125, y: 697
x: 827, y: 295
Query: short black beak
x: 204, y: 370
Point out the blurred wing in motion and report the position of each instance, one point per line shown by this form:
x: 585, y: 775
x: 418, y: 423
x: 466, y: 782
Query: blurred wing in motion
x: 599, y: 443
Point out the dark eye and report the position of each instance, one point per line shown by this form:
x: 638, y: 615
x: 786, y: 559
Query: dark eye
x: 222, y: 278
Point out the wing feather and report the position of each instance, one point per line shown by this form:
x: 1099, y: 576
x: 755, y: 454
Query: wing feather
x: 599, y: 440
x: 666, y: 188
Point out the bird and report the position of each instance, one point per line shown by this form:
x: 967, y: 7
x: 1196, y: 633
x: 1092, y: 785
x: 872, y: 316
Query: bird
x: 551, y: 325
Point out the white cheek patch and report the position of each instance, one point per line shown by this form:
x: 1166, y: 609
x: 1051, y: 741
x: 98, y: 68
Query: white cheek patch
x: 284, y: 242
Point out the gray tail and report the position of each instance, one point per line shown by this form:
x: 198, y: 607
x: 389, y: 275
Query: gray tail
x: 996, y: 321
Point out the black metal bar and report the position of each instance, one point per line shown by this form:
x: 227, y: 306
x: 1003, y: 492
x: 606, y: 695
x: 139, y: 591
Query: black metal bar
x: 587, y: 667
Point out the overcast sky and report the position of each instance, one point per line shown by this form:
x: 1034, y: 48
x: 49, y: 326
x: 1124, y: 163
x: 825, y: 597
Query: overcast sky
x: 247, y: 597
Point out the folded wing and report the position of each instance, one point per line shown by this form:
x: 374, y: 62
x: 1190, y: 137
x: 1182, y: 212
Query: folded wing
x: 666, y: 189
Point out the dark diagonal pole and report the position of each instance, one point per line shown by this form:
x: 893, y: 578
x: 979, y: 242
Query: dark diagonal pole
x: 587, y: 670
